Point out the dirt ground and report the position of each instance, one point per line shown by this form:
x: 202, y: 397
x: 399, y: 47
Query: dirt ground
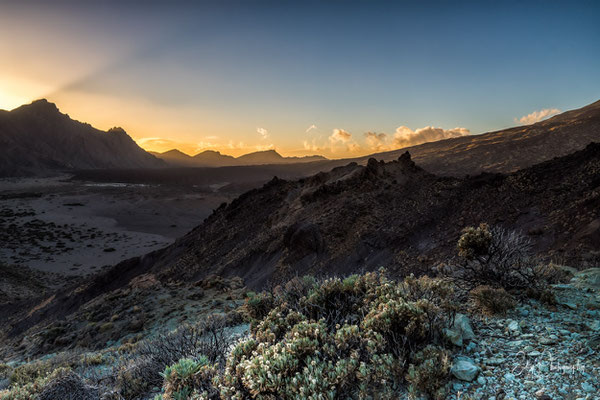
x: 77, y: 227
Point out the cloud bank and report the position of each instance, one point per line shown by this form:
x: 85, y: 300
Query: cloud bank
x: 406, y: 137
x: 537, y: 116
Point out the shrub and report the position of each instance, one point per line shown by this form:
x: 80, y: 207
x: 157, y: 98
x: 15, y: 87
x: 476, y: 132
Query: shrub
x: 31, y: 389
x: 553, y: 273
x: 495, y: 257
x: 491, y: 301
x: 343, y: 339
x: 190, y: 376
x: 429, y: 372
x: 140, y: 370
x: 68, y: 386
x: 136, y: 376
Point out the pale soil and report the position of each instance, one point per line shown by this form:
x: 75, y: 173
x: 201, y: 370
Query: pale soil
x: 76, y: 228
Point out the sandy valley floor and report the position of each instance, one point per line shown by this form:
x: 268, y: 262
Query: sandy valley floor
x: 76, y: 228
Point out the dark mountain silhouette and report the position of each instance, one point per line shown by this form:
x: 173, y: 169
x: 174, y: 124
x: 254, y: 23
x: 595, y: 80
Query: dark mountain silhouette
x: 211, y: 158
x: 37, y: 137
x: 272, y: 157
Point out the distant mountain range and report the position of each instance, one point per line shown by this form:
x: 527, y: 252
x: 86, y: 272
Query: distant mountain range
x: 38, y: 138
x: 211, y: 158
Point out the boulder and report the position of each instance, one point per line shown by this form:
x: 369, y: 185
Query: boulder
x: 460, y: 331
x: 464, y: 369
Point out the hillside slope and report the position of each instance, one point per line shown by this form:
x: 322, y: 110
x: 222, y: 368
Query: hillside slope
x: 37, y: 138
x: 507, y: 150
x: 354, y: 218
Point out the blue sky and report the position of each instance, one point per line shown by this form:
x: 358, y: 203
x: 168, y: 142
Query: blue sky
x: 240, y: 76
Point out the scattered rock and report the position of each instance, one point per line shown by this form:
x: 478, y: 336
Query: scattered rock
x: 464, y: 369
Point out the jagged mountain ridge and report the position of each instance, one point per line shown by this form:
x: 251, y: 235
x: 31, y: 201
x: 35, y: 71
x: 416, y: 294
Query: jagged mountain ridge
x: 38, y: 138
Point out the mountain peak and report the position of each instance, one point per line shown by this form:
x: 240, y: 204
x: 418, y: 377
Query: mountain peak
x: 41, y: 105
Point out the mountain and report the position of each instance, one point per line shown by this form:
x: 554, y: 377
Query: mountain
x: 175, y: 157
x: 272, y: 157
x: 211, y: 158
x: 506, y: 150
x: 37, y: 137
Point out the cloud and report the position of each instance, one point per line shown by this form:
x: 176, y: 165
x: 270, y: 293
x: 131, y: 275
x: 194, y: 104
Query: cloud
x: 405, y: 137
x: 340, y: 135
x: 537, y: 116
x: 376, y: 141
x: 263, y: 132
x: 310, y: 128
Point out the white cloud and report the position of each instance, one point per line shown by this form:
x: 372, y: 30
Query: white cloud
x: 310, y: 128
x: 405, y: 137
x: 263, y: 132
x: 376, y: 141
x: 340, y: 135
x: 537, y: 116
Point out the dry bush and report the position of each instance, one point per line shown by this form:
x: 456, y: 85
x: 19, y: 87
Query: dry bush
x: 491, y: 301
x: 553, y: 273
x: 140, y: 370
x: 496, y: 257
x: 68, y: 386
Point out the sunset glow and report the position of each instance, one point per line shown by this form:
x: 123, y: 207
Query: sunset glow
x: 217, y: 76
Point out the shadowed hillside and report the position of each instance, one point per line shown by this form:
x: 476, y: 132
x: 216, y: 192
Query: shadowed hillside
x: 38, y: 138
x: 394, y: 215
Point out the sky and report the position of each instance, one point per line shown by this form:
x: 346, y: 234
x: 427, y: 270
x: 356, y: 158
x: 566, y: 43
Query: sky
x: 337, y: 78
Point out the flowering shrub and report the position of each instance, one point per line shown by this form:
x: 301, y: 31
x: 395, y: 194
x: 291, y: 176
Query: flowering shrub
x: 344, y: 339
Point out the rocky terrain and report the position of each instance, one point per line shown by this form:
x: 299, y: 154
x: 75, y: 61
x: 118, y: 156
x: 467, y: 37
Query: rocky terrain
x: 535, y: 351
x: 389, y: 214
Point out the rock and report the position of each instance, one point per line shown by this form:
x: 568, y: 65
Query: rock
x: 588, y: 388
x: 461, y: 330
x: 495, y: 361
x: 550, y: 340
x: 453, y: 336
x: 481, y: 380
x: 571, y: 306
x: 509, y: 377
x: 513, y: 327
x: 464, y: 369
